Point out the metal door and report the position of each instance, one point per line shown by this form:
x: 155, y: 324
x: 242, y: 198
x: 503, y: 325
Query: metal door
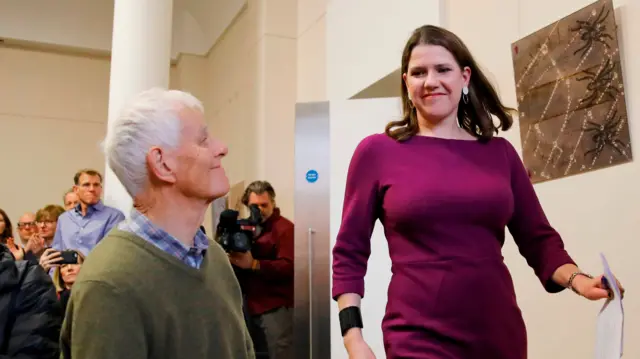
x: 312, y: 316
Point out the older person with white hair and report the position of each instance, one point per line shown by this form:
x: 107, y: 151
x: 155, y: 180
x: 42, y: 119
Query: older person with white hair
x: 157, y: 287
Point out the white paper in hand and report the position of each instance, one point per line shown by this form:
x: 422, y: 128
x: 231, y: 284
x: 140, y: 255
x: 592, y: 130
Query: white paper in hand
x: 610, y: 324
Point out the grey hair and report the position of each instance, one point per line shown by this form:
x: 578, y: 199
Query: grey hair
x: 150, y: 119
x: 258, y: 187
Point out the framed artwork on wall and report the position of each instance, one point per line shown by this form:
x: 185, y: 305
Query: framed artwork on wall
x: 571, y: 98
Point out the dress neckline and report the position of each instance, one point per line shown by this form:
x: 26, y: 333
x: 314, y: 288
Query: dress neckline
x: 433, y: 138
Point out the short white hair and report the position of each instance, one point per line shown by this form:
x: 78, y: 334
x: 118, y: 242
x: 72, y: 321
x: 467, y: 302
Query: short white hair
x: 150, y: 119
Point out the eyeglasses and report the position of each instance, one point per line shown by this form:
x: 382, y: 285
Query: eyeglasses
x: 26, y: 224
x: 42, y: 223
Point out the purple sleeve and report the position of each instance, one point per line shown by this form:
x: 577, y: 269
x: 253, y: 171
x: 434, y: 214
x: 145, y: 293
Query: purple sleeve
x: 538, y: 242
x: 359, y: 213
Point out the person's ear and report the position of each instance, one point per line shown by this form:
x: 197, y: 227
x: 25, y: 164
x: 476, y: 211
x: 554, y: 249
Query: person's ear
x: 404, y: 80
x: 466, y: 75
x: 160, y: 166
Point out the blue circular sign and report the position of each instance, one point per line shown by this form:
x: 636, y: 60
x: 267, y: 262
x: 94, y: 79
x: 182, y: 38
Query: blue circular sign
x: 312, y: 176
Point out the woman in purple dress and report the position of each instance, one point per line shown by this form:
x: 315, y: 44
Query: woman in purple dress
x: 445, y: 189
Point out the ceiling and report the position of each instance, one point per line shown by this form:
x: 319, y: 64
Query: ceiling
x: 86, y: 25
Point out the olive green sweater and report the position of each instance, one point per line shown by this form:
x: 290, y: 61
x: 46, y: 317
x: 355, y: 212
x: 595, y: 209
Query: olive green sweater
x: 132, y: 300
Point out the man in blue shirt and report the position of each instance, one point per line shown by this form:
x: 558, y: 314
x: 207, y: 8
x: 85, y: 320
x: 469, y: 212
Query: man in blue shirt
x: 82, y: 227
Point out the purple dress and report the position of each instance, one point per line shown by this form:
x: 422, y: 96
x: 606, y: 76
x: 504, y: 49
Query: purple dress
x: 444, y: 205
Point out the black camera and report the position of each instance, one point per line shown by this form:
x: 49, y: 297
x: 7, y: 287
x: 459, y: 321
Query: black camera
x: 237, y: 235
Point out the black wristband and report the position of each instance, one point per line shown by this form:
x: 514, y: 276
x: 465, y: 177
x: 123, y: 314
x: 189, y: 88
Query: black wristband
x: 350, y: 317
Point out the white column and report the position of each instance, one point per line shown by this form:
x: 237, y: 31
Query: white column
x: 140, y: 59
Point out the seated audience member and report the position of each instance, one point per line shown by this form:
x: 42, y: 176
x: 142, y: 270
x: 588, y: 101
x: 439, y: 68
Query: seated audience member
x: 157, y: 287
x: 26, y: 227
x: 82, y: 227
x: 46, y: 222
x: 6, y: 236
x: 70, y: 199
x: 30, y: 315
x: 64, y: 277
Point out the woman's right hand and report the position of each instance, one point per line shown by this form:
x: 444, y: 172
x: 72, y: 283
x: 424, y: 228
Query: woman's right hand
x: 49, y: 259
x: 18, y: 253
x: 356, y: 346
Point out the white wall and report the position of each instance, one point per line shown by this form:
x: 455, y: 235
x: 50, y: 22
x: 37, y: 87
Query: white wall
x: 53, y: 114
x: 251, y: 81
x: 87, y: 25
x: 276, y: 111
x: 311, y: 51
x: 75, y: 23
x: 365, y: 39
x: 206, y: 18
x: 232, y: 77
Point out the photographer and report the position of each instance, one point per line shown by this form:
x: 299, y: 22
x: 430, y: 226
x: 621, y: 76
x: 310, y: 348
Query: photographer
x: 266, y: 274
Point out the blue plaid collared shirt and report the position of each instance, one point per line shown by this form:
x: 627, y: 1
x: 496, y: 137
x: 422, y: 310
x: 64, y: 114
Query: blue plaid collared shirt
x: 141, y: 226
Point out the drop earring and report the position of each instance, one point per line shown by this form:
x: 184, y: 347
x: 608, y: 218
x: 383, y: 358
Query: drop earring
x: 465, y: 95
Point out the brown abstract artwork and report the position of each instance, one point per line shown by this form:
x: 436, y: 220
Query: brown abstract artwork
x: 571, y: 100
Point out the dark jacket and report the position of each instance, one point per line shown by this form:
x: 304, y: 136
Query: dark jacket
x: 271, y: 286
x: 63, y: 297
x: 31, y: 329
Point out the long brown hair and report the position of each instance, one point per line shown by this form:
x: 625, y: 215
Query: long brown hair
x: 8, y: 227
x: 57, y: 274
x: 476, y: 115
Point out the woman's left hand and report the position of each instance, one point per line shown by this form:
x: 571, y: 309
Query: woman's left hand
x: 595, y: 289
